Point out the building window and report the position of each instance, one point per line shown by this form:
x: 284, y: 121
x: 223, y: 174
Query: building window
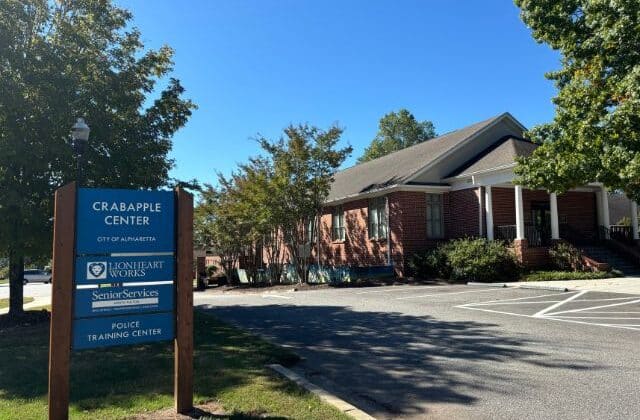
x: 435, y: 222
x: 377, y: 218
x: 337, y: 224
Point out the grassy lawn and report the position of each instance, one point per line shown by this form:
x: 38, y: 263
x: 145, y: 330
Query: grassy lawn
x: 119, y: 382
x: 4, y: 281
x: 566, y: 275
x: 4, y: 303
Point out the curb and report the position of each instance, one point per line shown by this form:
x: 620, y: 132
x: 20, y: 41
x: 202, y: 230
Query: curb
x: 324, y: 395
x: 551, y: 288
x: 473, y: 283
x: 521, y: 286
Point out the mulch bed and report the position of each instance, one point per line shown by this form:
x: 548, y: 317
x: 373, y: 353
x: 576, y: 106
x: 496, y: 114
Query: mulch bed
x: 253, y: 288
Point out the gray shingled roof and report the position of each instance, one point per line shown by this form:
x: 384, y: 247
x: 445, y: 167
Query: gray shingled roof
x: 504, y: 152
x: 396, y: 167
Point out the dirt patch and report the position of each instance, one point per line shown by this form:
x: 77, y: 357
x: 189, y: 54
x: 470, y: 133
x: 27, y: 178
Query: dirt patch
x: 207, y: 410
x: 24, y: 320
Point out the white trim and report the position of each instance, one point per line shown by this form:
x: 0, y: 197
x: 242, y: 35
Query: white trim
x: 519, y: 213
x: 553, y: 207
x: 488, y: 206
x: 604, y: 206
x: 483, y: 171
x: 433, y: 189
x: 462, y: 143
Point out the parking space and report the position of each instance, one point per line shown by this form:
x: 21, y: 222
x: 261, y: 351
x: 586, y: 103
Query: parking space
x: 612, y: 310
x: 456, y: 351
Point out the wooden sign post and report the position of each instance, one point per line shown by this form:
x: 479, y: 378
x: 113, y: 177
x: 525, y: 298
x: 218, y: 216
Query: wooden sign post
x: 95, y: 232
x: 64, y: 227
x: 183, y: 364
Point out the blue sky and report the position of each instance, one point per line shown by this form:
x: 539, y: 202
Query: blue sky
x: 255, y: 66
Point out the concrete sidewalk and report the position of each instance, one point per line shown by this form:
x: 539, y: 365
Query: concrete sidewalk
x: 37, y: 302
x: 629, y: 285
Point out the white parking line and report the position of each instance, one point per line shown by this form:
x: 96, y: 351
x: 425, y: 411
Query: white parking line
x: 399, y: 289
x: 557, y: 305
x: 548, y: 318
x: 452, y: 293
x: 511, y: 303
x: 514, y: 299
x: 612, y: 312
x: 604, y: 300
x: 276, y: 296
x: 584, y: 316
x: 591, y: 317
x: 594, y: 307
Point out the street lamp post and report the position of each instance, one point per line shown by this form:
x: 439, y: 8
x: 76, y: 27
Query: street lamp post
x: 80, y: 135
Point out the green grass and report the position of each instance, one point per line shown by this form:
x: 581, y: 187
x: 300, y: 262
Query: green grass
x: 566, y: 275
x: 119, y: 382
x: 4, y: 303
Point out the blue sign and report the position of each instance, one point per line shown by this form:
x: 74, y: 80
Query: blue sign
x: 119, y: 330
x: 102, y: 301
x: 124, y: 269
x: 110, y: 221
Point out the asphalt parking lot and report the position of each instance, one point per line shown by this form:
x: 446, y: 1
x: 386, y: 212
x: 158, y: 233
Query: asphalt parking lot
x: 457, y: 351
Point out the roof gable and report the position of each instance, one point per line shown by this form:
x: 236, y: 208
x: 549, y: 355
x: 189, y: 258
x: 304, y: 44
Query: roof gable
x: 401, y: 167
x: 502, y: 154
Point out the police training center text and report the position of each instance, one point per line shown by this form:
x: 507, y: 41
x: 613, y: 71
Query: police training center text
x: 124, y: 329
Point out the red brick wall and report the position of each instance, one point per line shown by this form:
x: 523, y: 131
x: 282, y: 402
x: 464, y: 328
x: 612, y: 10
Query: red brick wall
x: 464, y: 218
x: 577, y: 209
x: 357, y: 249
x: 408, y: 227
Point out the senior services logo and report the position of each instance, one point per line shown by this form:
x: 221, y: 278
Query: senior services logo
x: 97, y: 270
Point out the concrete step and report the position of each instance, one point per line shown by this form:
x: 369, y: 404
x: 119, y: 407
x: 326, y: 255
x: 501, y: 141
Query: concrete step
x: 615, y: 260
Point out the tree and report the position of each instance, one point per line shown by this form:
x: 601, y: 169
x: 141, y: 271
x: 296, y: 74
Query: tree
x: 216, y: 228
x: 595, y: 134
x: 396, y: 131
x: 67, y: 59
x: 304, y: 162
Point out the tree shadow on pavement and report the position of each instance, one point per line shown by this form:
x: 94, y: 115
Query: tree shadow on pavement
x: 396, y: 364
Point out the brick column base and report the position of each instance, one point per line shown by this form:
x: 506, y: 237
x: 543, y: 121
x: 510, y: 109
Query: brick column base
x: 520, y: 248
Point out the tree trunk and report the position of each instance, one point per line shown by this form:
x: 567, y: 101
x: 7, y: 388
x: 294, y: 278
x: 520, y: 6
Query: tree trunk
x: 16, y: 287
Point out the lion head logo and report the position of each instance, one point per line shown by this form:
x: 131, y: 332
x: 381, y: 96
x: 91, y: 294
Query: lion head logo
x: 96, y: 270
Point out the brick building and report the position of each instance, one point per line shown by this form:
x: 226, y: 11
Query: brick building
x: 457, y: 185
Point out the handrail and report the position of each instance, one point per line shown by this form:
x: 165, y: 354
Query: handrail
x: 534, y: 235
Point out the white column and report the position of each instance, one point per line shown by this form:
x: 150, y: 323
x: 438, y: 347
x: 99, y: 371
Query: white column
x: 488, y: 211
x: 480, y: 213
x: 555, y: 226
x: 605, y: 207
x: 519, y: 213
x: 634, y: 219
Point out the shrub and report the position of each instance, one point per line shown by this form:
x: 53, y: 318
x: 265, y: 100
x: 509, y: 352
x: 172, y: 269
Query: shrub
x: 480, y: 260
x: 430, y: 264
x: 568, y: 275
x: 211, y: 270
x: 467, y: 260
x: 566, y: 257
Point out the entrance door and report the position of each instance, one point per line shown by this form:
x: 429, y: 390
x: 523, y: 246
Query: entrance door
x: 541, y: 217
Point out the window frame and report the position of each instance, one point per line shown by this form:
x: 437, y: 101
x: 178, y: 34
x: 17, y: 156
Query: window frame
x: 338, y: 230
x: 432, y: 201
x: 377, y: 229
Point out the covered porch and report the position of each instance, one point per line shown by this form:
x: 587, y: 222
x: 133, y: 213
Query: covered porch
x: 532, y: 220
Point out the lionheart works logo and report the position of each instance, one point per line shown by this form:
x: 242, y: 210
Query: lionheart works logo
x: 97, y: 270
